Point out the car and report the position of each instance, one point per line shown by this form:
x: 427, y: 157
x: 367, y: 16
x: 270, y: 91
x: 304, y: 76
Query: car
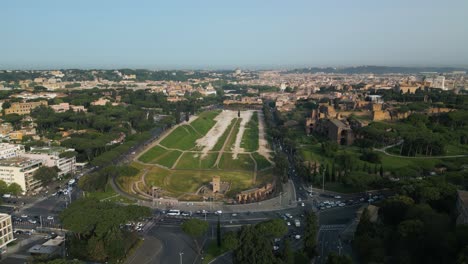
x: 341, y: 204
x: 288, y: 223
x: 50, y: 218
x: 337, y: 197
x: 219, y: 212
x: 32, y: 221
x: 24, y: 216
x: 7, y: 195
x: 275, y: 247
x: 370, y: 200
x: 28, y: 233
x: 299, y: 199
x: 19, y: 232
x: 361, y: 200
x: 328, y: 206
x: 277, y: 240
x: 47, y: 237
x: 302, y: 204
x: 185, y: 214
x: 234, y: 214
x: 297, y: 237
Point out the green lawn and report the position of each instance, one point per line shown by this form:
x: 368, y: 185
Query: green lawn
x: 152, y: 154
x: 223, y: 137
x: 183, y: 137
x: 212, y: 251
x: 205, y: 121
x: 194, y: 161
x: 262, y: 163
x: 155, y: 176
x: 168, y: 159
x: 250, y: 137
x: 232, y: 139
x: 182, y: 181
x: 243, y: 162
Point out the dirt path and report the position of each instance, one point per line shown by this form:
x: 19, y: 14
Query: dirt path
x: 245, y: 116
x: 255, y: 169
x: 223, y: 120
x: 262, y: 142
x: 220, y: 154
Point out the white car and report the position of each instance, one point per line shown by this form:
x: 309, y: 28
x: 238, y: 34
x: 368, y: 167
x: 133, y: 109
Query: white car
x: 219, y: 212
x: 337, y: 197
x: 341, y: 204
x: 302, y: 204
x: 24, y: 216
x: 297, y: 237
x: 32, y: 221
x: 275, y: 248
x: 234, y: 214
x: 288, y: 223
x: 50, y: 218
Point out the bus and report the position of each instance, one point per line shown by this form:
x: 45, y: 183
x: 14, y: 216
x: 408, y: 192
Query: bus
x: 173, y: 212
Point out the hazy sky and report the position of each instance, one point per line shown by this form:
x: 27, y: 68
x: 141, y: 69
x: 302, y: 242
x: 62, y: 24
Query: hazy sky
x: 226, y: 34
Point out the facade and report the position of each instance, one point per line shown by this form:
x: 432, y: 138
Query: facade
x: 6, y: 231
x: 10, y: 150
x: 50, y: 157
x: 20, y: 170
x: 23, y: 108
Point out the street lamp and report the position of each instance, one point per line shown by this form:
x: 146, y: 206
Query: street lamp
x: 180, y: 254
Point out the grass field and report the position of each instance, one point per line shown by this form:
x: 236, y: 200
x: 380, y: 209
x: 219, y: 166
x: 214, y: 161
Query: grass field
x: 243, y: 162
x: 232, y: 139
x: 223, y: 137
x: 191, y: 172
x: 262, y: 163
x: 205, y: 121
x: 194, y: 161
x: 168, y: 159
x: 250, y: 137
x: 152, y: 154
x: 183, y: 137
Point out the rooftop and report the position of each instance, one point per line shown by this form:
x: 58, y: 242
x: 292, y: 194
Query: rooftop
x: 338, y: 123
x: 4, y: 146
x: 18, y: 162
x: 49, y: 150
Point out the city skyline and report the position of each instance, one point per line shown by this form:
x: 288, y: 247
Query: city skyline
x: 213, y: 35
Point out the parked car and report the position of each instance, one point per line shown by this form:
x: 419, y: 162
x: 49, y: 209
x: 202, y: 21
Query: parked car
x: 50, y: 218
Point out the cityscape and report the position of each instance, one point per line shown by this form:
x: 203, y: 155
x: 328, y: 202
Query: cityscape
x: 143, y: 151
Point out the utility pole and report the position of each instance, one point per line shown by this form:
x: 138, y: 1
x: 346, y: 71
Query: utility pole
x: 180, y: 254
x: 281, y: 198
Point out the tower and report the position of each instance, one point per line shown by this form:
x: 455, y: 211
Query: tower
x: 216, y: 184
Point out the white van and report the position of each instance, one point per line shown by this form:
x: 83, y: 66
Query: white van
x: 173, y: 212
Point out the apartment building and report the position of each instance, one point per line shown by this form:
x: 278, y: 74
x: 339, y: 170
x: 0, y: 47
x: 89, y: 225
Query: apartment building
x: 51, y: 157
x: 20, y: 170
x: 6, y: 231
x: 8, y: 150
x: 23, y: 108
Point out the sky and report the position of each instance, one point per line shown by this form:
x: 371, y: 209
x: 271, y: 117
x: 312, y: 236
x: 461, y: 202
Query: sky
x: 221, y: 34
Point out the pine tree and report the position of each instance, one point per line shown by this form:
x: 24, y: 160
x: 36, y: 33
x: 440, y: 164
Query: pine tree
x: 381, y: 171
x: 218, y: 233
x: 333, y: 172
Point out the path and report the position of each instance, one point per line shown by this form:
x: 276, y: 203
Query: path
x: 384, y: 151
x: 245, y: 118
x: 255, y: 169
x: 225, y: 143
x: 262, y: 142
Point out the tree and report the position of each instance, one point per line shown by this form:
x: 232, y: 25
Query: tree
x: 195, y: 228
x: 46, y: 175
x: 238, y: 113
x: 334, y: 258
x: 218, y: 232
x: 14, y: 189
x: 230, y: 240
x: 310, y: 234
x: 3, y: 187
x: 381, y: 171
x: 187, y: 116
x: 254, y: 248
x: 287, y: 255
x: 272, y: 228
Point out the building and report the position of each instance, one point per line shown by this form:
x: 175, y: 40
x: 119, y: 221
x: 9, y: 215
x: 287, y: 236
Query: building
x: 462, y: 207
x: 340, y: 132
x: 23, y: 108
x: 20, y: 170
x: 52, y: 247
x: 8, y: 150
x: 6, y: 231
x: 51, y: 157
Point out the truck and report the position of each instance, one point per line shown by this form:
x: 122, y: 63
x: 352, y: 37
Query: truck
x: 297, y: 223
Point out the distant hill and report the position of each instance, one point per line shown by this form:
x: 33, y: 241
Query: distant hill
x: 376, y: 70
